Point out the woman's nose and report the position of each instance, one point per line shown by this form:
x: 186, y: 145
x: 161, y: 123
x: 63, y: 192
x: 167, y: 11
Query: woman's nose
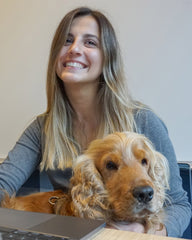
x: 75, y: 48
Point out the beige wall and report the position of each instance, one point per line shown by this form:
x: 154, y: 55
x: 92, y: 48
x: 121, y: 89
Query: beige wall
x: 155, y: 36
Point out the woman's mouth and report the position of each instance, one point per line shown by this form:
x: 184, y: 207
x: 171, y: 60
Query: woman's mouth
x: 74, y: 65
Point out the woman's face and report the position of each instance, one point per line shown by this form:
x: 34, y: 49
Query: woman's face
x: 80, y: 60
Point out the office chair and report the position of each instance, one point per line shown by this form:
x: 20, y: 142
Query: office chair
x: 186, y: 174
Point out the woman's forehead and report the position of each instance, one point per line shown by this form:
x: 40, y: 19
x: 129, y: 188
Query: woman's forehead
x: 86, y: 25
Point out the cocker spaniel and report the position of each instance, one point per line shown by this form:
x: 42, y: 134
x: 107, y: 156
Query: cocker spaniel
x: 119, y: 178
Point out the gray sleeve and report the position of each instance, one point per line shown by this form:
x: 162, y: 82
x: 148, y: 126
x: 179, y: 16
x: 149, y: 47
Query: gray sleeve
x: 178, y: 214
x: 22, y: 159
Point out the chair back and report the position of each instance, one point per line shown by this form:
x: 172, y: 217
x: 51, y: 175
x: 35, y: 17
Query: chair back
x: 186, y: 174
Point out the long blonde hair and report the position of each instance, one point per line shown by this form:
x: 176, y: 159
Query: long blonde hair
x: 61, y: 148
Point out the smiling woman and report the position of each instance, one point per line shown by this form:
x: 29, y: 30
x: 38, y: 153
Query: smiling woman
x: 87, y: 99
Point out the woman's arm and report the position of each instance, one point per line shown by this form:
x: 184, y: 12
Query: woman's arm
x: 22, y: 160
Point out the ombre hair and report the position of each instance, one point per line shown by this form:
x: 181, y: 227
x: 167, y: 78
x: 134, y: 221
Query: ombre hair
x: 117, y: 106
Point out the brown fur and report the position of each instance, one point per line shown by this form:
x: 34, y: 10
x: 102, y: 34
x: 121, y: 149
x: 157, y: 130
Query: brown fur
x: 104, y: 180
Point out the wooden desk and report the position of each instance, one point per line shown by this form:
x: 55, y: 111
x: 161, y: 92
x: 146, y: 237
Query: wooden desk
x: 112, y: 234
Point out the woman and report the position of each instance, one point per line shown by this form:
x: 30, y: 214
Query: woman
x: 87, y: 99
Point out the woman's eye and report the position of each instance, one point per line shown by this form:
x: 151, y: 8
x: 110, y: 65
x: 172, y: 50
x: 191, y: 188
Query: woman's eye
x: 90, y: 43
x: 68, y: 41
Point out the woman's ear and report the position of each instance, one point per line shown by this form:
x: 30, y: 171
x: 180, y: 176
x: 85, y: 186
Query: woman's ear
x: 88, y: 191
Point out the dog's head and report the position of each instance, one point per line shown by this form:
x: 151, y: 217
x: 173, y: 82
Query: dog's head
x: 121, y: 175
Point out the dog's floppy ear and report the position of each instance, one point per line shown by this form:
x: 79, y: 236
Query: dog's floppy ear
x: 88, y: 191
x: 159, y: 171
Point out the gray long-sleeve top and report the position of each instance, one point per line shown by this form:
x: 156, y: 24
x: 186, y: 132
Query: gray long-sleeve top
x: 26, y: 155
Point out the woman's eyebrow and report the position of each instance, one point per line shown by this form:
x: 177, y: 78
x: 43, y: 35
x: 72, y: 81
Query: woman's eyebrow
x: 87, y: 35
x: 91, y: 35
x: 69, y: 35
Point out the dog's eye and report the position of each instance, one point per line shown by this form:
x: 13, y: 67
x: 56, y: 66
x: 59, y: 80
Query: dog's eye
x: 111, y: 165
x: 144, y: 161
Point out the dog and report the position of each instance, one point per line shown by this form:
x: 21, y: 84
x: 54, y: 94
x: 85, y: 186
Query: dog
x: 118, y: 178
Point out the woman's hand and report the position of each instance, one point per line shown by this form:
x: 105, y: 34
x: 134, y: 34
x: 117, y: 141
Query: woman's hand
x: 136, y: 227
x: 126, y: 226
x: 162, y: 232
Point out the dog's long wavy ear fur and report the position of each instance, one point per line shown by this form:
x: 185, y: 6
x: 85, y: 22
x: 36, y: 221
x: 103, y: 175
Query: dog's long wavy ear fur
x: 88, y: 192
x: 159, y: 171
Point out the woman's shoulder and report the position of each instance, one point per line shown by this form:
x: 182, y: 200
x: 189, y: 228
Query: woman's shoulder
x: 36, y: 126
x: 38, y: 121
x: 146, y: 118
x: 152, y: 126
x: 144, y: 113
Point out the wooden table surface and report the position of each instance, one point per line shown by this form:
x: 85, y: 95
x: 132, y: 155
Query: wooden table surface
x: 112, y: 234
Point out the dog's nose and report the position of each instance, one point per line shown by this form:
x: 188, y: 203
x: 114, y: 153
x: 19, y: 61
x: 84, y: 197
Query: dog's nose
x: 143, y: 194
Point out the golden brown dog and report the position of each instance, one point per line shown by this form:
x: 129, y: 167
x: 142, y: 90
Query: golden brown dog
x: 119, y: 178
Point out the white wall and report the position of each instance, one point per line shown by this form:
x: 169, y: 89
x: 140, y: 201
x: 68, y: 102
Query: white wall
x: 156, y: 41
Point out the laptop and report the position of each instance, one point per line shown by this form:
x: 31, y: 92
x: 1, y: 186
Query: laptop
x: 60, y: 227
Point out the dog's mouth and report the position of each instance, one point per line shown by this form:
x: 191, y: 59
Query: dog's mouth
x: 140, y: 211
x: 142, y: 208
